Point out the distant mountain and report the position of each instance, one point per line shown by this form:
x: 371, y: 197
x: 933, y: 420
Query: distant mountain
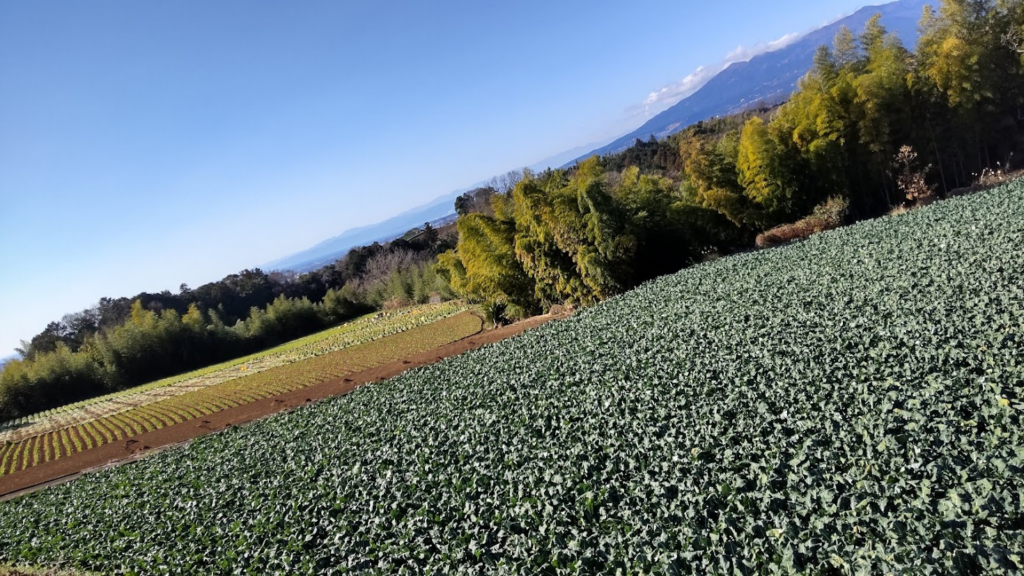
x: 770, y: 77
x: 9, y: 358
x: 558, y: 160
x: 438, y: 211
x: 334, y: 248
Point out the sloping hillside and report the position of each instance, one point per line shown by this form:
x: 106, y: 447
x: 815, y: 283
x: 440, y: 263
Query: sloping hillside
x: 848, y: 404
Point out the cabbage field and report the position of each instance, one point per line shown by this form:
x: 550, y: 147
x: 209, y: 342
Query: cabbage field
x: 847, y: 404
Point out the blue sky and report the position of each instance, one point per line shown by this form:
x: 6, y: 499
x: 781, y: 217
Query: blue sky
x: 146, y: 144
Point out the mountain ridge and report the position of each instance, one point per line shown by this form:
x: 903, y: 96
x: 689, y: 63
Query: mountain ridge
x: 436, y: 211
x: 389, y: 229
x: 769, y: 78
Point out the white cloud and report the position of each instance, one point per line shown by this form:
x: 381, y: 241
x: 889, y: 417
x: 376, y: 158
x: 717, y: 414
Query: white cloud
x: 667, y: 96
x: 742, y: 53
x: 679, y: 90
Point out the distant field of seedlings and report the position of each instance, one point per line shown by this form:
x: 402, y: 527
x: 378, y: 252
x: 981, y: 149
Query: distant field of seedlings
x: 355, y: 350
x: 365, y: 329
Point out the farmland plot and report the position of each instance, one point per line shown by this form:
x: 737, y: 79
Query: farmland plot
x: 848, y: 404
x: 194, y: 403
x: 365, y: 329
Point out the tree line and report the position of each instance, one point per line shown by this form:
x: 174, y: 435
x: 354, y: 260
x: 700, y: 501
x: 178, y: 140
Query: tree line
x: 124, y: 342
x: 872, y: 126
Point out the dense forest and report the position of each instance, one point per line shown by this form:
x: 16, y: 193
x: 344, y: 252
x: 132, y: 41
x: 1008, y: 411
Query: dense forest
x: 873, y: 126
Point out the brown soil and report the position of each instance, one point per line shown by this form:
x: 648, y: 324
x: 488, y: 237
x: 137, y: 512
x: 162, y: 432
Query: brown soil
x: 114, y: 453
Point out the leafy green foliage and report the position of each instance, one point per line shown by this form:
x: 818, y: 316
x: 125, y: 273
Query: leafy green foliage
x: 577, y: 236
x: 956, y: 101
x: 570, y: 235
x: 849, y: 404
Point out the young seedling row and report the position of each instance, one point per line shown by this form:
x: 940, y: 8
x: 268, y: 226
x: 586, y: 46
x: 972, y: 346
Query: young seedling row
x: 272, y: 382
x: 352, y: 333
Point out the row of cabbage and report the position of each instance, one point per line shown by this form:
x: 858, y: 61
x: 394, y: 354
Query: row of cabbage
x: 848, y: 404
x: 364, y: 329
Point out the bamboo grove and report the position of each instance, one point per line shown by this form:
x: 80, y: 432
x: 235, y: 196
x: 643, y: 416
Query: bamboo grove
x: 870, y: 116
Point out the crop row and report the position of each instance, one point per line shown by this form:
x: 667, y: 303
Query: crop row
x: 17, y: 456
x: 849, y: 404
x: 352, y: 333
